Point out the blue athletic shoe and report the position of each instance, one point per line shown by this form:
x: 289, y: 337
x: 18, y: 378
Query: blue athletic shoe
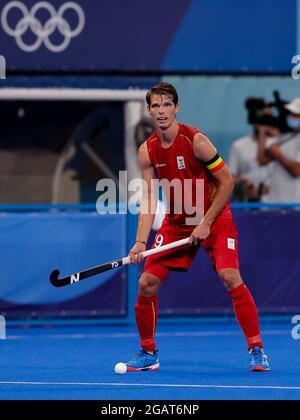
x: 258, y: 360
x: 143, y: 361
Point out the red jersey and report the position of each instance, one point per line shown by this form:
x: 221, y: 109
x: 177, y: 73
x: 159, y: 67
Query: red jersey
x: 178, y: 162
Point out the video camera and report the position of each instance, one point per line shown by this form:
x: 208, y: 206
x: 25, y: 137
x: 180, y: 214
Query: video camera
x: 258, y: 114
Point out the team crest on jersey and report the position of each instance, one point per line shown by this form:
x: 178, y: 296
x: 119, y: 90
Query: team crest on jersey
x: 180, y: 162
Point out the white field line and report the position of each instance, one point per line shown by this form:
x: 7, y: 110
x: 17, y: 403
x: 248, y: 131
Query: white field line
x: 121, y: 384
x: 131, y: 335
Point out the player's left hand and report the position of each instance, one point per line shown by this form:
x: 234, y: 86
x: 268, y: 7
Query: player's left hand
x: 200, y: 233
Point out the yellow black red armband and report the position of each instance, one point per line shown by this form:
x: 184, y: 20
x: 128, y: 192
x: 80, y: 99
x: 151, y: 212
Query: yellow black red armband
x: 215, y: 164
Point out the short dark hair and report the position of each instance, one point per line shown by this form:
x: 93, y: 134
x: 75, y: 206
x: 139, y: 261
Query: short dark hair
x: 163, y: 89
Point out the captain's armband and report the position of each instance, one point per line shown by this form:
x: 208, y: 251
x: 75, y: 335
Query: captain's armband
x: 215, y: 164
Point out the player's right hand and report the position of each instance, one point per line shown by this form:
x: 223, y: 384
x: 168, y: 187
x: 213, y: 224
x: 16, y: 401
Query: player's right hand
x: 135, y: 253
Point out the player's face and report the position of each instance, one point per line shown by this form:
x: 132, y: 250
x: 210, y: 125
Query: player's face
x: 163, y: 111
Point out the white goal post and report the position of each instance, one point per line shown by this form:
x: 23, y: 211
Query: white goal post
x: 134, y: 109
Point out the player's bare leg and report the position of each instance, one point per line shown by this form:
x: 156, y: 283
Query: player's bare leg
x: 146, y: 319
x: 247, y: 316
x: 148, y: 285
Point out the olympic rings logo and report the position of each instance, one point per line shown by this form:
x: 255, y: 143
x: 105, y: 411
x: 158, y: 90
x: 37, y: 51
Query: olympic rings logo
x: 42, y: 31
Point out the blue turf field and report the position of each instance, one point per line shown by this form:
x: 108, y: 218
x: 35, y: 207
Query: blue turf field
x: 198, y: 361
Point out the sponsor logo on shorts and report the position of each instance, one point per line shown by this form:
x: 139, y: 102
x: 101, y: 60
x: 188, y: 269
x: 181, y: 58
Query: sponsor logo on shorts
x: 160, y: 165
x: 180, y: 162
x: 230, y: 243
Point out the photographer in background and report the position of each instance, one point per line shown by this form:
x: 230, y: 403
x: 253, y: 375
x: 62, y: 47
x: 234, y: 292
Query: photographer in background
x: 249, y: 163
x: 284, y: 150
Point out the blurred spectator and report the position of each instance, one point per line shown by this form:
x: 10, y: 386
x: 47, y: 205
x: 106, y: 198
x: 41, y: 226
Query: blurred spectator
x: 285, y: 151
x: 249, y: 163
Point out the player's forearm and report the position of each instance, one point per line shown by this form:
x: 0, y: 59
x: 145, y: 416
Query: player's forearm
x: 146, y: 217
x: 145, y: 224
x: 222, y: 196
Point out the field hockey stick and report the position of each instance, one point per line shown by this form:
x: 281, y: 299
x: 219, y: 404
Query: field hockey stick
x: 82, y: 275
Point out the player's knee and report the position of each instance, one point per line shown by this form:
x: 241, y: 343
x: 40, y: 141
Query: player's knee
x: 231, y: 278
x: 148, y: 285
